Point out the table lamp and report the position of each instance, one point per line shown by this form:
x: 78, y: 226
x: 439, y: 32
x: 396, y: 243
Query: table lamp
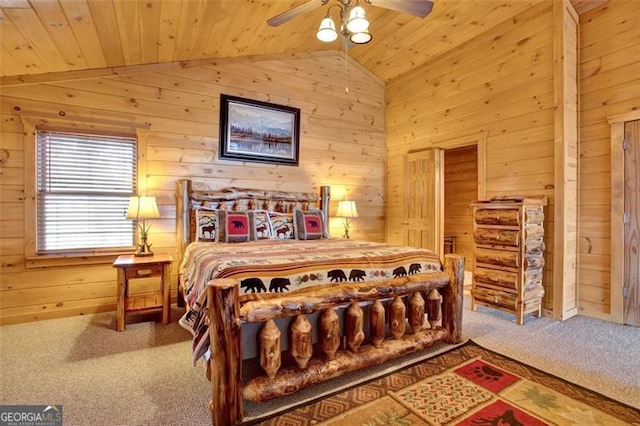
x: 142, y: 207
x: 346, y: 209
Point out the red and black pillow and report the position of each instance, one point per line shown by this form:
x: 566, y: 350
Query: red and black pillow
x: 309, y: 225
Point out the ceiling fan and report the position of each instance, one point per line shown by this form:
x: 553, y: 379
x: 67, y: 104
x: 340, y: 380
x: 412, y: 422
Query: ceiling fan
x: 419, y: 8
x: 354, y: 25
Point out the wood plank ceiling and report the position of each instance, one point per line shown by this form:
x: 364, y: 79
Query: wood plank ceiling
x: 38, y: 37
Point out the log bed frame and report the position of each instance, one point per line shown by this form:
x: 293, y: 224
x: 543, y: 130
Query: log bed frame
x: 393, y: 330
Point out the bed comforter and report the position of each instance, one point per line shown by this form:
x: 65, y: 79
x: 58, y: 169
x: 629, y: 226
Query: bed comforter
x: 266, y: 269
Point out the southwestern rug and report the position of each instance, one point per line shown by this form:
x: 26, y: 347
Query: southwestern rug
x: 467, y: 385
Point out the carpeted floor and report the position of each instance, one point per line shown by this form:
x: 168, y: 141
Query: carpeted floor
x: 144, y: 375
x: 468, y: 385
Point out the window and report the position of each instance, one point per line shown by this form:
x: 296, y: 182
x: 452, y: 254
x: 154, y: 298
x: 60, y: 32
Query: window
x: 83, y: 186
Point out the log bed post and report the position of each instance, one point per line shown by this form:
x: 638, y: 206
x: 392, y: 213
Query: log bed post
x: 183, y: 217
x: 183, y: 226
x: 226, y: 351
x: 452, y: 298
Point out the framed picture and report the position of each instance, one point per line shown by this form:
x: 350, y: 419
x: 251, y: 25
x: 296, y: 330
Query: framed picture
x: 258, y: 131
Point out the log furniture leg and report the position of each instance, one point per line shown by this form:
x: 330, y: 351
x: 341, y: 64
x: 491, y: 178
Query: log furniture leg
x: 226, y: 352
x: 180, y: 302
x: 452, y: 295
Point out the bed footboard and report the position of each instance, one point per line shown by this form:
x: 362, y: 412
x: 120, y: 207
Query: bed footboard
x: 436, y: 294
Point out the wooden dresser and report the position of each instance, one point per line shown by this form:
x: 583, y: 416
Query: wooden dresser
x: 509, y: 254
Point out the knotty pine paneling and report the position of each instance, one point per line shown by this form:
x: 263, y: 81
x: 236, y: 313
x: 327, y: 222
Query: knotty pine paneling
x: 342, y: 145
x: 609, y: 71
x: 498, y: 85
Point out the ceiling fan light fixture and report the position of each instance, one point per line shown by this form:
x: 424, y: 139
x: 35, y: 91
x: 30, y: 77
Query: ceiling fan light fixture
x: 361, y: 37
x: 327, y: 31
x: 357, y: 20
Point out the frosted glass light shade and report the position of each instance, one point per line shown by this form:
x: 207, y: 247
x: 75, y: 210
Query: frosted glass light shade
x: 357, y: 20
x: 361, y: 37
x: 327, y: 31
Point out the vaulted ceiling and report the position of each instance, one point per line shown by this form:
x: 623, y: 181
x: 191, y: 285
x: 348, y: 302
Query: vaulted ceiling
x: 39, y: 37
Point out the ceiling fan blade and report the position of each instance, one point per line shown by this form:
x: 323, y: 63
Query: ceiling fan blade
x: 296, y: 11
x: 419, y: 8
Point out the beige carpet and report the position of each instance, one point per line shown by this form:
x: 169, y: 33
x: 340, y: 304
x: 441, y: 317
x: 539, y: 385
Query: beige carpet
x: 144, y: 376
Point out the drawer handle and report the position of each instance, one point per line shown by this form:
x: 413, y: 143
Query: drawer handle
x: 144, y: 272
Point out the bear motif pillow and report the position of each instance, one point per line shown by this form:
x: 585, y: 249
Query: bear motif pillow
x: 234, y: 227
x: 309, y: 225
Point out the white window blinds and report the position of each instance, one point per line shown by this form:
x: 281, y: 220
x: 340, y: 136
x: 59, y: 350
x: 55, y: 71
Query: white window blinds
x: 84, y: 185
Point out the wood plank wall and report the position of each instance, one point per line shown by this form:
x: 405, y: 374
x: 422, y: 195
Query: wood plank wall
x: 342, y: 145
x: 498, y: 86
x: 609, y: 85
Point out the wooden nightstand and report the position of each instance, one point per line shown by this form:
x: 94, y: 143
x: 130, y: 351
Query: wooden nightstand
x: 130, y: 266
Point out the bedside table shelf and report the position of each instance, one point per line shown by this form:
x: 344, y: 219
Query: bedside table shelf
x: 144, y: 302
x: 132, y: 267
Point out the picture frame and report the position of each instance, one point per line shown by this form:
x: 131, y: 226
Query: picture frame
x: 257, y: 131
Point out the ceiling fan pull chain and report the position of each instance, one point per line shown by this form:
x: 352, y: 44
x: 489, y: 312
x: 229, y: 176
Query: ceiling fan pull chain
x: 346, y: 67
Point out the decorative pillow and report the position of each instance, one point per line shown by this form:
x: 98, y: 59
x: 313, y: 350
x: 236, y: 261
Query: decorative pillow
x: 206, y: 225
x: 309, y: 225
x: 281, y: 225
x: 233, y: 226
x: 260, y: 226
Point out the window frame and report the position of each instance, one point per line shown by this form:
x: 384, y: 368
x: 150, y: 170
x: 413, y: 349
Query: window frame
x: 72, y: 257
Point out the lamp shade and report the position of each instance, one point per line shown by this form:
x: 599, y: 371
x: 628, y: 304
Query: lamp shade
x: 357, y: 20
x: 347, y: 209
x: 142, y: 207
x: 362, y: 37
x: 327, y: 31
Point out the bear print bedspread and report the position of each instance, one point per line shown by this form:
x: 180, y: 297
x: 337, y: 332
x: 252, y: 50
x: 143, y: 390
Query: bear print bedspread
x: 268, y: 268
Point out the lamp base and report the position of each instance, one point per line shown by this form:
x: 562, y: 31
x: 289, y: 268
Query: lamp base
x: 144, y: 254
x: 144, y: 249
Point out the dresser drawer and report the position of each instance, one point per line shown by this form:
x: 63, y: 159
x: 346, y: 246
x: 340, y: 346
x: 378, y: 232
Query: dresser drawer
x: 509, y: 259
x: 496, y: 278
x: 501, y: 237
x: 505, y: 217
x: 495, y: 297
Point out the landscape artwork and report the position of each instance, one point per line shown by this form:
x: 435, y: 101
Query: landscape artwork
x: 258, y: 131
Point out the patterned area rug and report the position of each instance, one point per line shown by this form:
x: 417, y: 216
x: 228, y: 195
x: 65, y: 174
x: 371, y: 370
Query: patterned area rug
x: 468, y: 385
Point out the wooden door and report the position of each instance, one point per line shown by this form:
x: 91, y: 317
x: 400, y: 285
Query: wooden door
x: 423, y: 201
x: 631, y: 290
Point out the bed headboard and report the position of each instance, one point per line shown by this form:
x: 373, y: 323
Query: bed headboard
x: 239, y: 199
